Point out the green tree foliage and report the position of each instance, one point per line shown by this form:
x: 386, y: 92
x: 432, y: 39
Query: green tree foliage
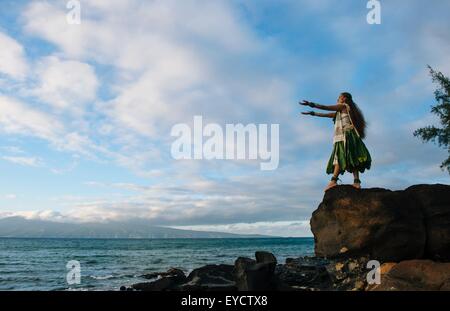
x: 439, y: 135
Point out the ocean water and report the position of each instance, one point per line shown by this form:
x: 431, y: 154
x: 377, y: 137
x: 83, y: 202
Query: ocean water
x: 107, y: 264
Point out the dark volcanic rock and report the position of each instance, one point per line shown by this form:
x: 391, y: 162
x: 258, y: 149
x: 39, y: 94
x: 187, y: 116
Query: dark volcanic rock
x: 305, y: 273
x: 251, y: 275
x: 169, y: 280
x: 210, y: 277
x: 348, y: 274
x: 241, y: 265
x: 152, y: 275
x: 435, y: 203
x: 212, y: 273
x: 265, y: 257
x: 416, y: 275
x: 171, y: 272
x: 383, y: 224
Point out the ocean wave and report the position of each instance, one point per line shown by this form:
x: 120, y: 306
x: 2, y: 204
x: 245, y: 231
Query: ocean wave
x: 103, y: 277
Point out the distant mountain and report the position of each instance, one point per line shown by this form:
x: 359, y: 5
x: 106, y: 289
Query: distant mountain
x: 20, y: 227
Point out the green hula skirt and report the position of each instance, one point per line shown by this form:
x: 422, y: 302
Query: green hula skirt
x: 351, y: 155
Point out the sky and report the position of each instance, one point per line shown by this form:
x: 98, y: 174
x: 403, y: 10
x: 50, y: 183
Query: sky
x: 86, y: 110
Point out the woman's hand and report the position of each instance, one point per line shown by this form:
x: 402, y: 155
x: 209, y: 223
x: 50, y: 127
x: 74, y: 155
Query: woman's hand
x: 312, y: 113
x: 307, y: 103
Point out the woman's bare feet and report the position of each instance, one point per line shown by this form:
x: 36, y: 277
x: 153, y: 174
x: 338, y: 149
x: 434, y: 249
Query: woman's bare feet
x: 332, y: 183
x: 357, y: 184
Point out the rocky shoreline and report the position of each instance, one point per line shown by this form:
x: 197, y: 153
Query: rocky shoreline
x: 406, y: 233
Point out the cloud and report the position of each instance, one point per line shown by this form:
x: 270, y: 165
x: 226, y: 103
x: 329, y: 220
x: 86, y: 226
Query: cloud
x: 25, y: 161
x: 195, y: 200
x: 49, y: 21
x: 70, y: 168
x: 215, y: 22
x: 272, y: 228
x: 19, y: 118
x: 162, y: 75
x: 12, y: 58
x: 47, y: 215
x: 65, y: 85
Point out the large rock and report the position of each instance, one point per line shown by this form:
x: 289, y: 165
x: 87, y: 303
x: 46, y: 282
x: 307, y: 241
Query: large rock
x: 304, y: 273
x: 383, y: 224
x: 265, y: 257
x: 380, y: 223
x: 210, y: 278
x: 348, y: 274
x: 414, y: 275
x: 171, y: 272
x: 256, y: 275
x: 169, y: 280
x: 435, y: 204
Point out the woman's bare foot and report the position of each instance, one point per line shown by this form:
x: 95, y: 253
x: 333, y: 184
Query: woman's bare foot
x: 357, y: 184
x: 332, y: 183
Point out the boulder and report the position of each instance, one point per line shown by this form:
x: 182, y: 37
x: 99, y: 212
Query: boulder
x: 169, y: 280
x: 348, y: 273
x: 265, y: 257
x: 171, y: 272
x: 414, y: 275
x: 434, y: 201
x: 241, y: 266
x: 210, y: 278
x: 383, y: 224
x: 251, y: 275
x: 305, y: 273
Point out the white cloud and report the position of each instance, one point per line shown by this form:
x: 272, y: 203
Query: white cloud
x: 71, y: 167
x: 184, y: 198
x: 17, y: 118
x: 215, y: 22
x: 20, y: 118
x: 49, y: 21
x: 48, y: 215
x: 64, y: 84
x: 12, y: 58
x: 25, y: 161
x: 275, y: 228
x: 165, y: 70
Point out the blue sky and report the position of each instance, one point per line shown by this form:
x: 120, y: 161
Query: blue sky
x: 86, y: 110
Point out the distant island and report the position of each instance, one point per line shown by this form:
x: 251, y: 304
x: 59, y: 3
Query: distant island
x: 20, y: 227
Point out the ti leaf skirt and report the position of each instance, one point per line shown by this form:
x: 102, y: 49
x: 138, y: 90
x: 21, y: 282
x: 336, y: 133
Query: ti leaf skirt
x: 351, y: 155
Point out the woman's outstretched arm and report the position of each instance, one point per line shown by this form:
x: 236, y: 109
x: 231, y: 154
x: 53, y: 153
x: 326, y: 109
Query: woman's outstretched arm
x: 318, y: 114
x: 323, y: 107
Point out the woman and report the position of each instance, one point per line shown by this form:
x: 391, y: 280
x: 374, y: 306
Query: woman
x: 349, y: 152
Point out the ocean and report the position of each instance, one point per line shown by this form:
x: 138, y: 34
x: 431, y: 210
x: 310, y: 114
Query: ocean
x: 107, y: 264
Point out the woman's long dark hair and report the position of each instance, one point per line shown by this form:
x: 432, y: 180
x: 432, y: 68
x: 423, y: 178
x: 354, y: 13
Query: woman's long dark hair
x: 356, y: 114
